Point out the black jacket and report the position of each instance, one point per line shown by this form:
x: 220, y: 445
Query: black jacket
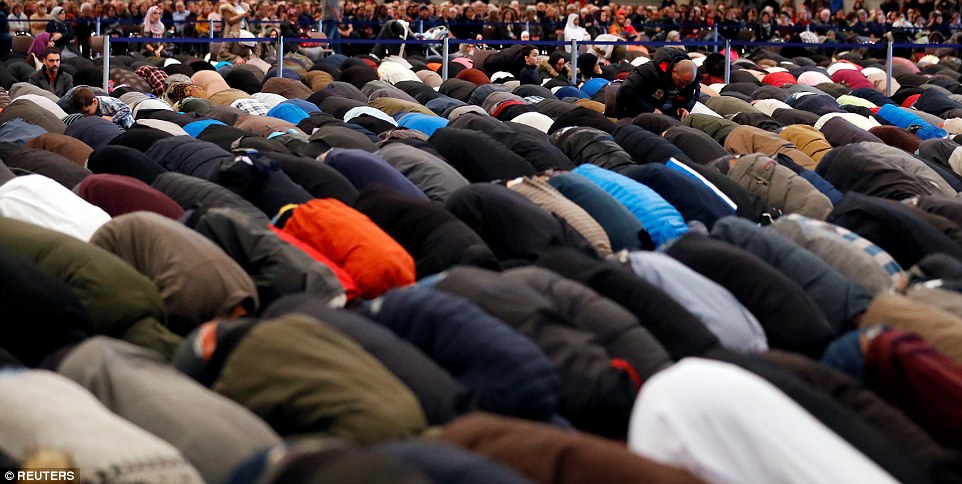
x: 650, y: 87
x: 530, y: 75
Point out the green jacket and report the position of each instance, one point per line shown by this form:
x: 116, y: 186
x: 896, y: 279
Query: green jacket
x: 305, y: 378
x: 120, y: 301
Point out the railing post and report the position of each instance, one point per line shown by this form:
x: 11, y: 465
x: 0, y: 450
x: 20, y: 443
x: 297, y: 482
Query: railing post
x: 107, y: 63
x: 574, y: 62
x: 445, y: 52
x: 280, y: 56
x: 888, y: 69
x: 210, y: 23
x: 728, y: 61
x: 98, y: 25
x: 716, y: 37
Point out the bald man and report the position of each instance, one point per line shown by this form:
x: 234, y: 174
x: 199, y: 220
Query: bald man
x: 667, y: 84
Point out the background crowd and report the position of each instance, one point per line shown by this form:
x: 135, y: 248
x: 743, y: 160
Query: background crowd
x: 810, y: 21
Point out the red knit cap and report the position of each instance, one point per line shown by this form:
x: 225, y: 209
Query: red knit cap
x: 474, y: 76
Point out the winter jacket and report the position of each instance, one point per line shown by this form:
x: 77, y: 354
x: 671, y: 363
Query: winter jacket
x: 190, y: 192
x: 905, y: 236
x: 777, y: 185
x: 514, y: 228
x: 808, y: 140
x: 693, y: 199
x: 441, y: 396
x: 855, y: 168
x: 678, y: 331
x: 647, y: 147
x: 714, y: 126
x: 659, y: 218
x: 792, y: 321
x: 507, y: 371
x: 847, y: 252
x: 41, y: 314
x: 258, y: 180
x: 699, y: 147
x: 118, y: 194
x: 197, y: 280
x: 120, y: 301
x: 894, y: 424
x: 649, y: 87
x: 736, y: 328
x: 553, y: 202
x: 214, y: 433
x: 914, y: 376
x: 434, y: 237
x: 620, y: 226
x: 596, y: 393
x: 48, y: 164
x: 904, y: 118
x: 938, y: 327
x: 910, y: 164
x: 303, y: 377
x: 99, y: 445
x: 840, y: 299
x: 349, y: 238
x: 363, y: 169
x: 547, y: 454
x: 589, y: 145
x: 618, y: 330
x: 45, y: 203
x: 745, y: 140
x: 276, y: 267
x: 432, y: 175
x: 519, y: 139
x: 93, y: 131
x: 189, y: 156
x: 488, y: 161
x: 319, y: 179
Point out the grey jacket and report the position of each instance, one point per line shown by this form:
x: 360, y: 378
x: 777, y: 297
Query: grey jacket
x: 62, y: 83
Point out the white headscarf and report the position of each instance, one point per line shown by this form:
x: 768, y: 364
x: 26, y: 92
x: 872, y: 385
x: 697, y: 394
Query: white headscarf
x: 155, y: 29
x: 726, y: 424
x: 575, y: 32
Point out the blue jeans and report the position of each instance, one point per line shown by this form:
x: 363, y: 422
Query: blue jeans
x: 329, y: 27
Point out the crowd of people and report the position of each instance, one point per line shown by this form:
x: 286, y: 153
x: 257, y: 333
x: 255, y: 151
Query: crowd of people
x: 628, y: 269
x: 909, y: 21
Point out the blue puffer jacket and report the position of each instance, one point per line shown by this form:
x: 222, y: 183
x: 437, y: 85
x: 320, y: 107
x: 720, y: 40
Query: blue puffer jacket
x: 509, y: 372
x: 904, y: 118
x: 659, y: 218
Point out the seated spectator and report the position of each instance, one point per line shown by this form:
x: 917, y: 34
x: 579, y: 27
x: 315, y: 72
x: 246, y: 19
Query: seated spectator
x: 529, y: 73
x: 50, y: 77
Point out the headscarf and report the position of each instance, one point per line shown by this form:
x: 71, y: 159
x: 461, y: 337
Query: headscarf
x: 153, y: 28
x: 573, y: 31
x: 39, y: 44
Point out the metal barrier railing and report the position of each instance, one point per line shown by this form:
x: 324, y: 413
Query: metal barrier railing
x: 573, y: 45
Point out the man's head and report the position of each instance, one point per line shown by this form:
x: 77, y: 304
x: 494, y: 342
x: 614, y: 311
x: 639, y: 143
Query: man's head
x: 84, y: 101
x: 683, y: 73
x: 530, y: 54
x: 51, y: 59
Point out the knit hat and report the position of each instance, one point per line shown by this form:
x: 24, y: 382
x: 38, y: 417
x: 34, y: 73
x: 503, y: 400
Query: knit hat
x: 195, y: 355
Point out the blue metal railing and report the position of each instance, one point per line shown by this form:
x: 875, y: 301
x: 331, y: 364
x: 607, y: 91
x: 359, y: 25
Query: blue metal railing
x: 573, y: 45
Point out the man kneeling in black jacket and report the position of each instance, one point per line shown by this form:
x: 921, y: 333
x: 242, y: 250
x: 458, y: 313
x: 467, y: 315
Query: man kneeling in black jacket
x: 668, y: 84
